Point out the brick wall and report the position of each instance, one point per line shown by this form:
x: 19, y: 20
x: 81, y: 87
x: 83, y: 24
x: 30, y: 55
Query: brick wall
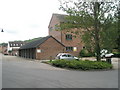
x: 75, y: 42
x: 56, y: 34
x: 49, y: 48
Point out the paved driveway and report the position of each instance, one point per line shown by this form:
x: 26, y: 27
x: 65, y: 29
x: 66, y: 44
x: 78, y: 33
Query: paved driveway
x: 21, y: 73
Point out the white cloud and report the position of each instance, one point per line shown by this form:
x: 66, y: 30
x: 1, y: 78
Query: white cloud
x: 26, y: 19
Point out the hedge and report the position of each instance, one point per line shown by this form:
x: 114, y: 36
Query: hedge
x: 116, y: 54
x: 81, y: 65
x: 85, y: 53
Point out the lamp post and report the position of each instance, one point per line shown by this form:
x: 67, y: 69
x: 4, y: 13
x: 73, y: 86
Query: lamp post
x: 2, y: 30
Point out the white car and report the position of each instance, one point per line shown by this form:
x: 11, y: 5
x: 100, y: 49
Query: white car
x: 104, y: 53
x: 109, y: 55
x: 66, y: 56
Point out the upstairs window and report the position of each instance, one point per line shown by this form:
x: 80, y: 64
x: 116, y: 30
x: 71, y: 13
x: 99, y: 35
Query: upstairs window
x: 68, y: 37
x: 69, y: 48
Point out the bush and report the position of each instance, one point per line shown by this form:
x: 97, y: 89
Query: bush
x: 116, y: 54
x: 81, y: 65
x: 85, y: 53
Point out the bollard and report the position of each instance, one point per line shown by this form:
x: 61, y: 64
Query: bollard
x: 108, y: 59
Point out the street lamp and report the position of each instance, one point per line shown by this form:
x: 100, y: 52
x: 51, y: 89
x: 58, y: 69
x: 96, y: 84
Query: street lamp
x: 2, y: 30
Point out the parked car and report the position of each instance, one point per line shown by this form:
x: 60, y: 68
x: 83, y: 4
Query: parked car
x: 109, y: 55
x: 5, y: 54
x: 66, y: 56
x: 104, y: 53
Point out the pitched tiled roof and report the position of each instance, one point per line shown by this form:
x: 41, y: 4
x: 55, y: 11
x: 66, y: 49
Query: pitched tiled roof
x: 16, y: 43
x: 36, y: 43
x: 59, y: 18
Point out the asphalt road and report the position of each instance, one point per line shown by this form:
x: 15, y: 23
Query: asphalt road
x: 21, y: 73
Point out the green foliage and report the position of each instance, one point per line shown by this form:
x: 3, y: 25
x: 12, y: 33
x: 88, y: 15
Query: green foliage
x: 88, y: 41
x: 3, y: 44
x: 86, y: 53
x: 109, y: 34
x: 116, y: 54
x: 97, y: 18
x: 81, y: 65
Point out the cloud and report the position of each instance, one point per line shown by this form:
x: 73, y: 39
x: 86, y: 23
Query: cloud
x: 25, y: 19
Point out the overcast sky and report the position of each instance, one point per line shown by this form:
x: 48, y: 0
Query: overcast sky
x: 26, y: 19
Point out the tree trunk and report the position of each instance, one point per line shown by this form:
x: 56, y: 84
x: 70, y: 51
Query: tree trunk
x: 96, y: 28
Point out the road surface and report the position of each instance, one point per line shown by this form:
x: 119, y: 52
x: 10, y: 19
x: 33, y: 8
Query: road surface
x: 24, y: 73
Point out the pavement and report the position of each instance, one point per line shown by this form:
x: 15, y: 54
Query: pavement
x: 24, y: 73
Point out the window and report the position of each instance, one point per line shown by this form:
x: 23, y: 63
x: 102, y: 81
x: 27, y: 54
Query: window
x: 64, y: 55
x: 69, y: 56
x: 69, y: 48
x: 68, y: 37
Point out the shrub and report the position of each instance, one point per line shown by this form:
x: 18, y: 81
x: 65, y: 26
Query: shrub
x: 85, y: 53
x: 81, y: 65
x: 116, y: 54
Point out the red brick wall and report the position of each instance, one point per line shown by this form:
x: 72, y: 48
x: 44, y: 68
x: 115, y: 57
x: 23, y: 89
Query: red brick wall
x: 49, y: 48
x: 75, y: 42
x: 56, y: 34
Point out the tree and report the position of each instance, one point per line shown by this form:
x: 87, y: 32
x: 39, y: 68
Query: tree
x: 118, y: 25
x: 94, y: 18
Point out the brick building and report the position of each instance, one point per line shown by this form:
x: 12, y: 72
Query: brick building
x: 42, y: 49
x: 68, y: 37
